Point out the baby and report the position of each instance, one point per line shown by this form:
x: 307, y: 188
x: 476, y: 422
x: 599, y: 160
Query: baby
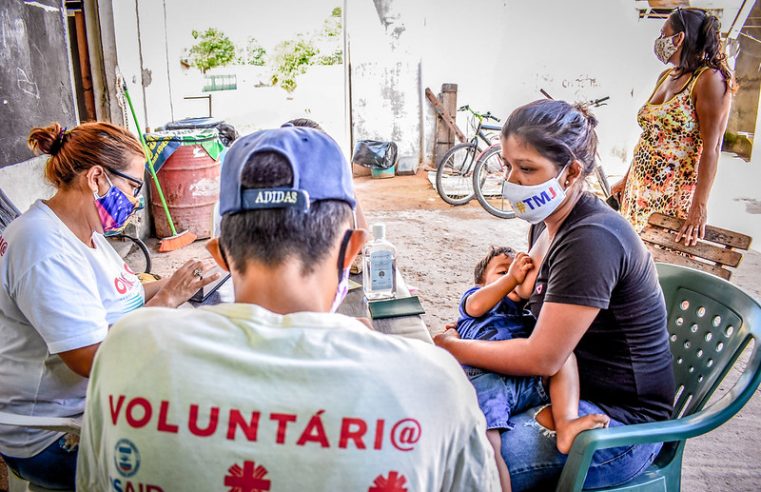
x: 492, y: 310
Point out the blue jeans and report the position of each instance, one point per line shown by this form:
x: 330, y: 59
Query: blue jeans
x: 53, y: 468
x: 535, y: 463
x: 500, y: 396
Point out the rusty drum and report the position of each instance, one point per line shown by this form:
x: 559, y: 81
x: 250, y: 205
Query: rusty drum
x: 189, y: 177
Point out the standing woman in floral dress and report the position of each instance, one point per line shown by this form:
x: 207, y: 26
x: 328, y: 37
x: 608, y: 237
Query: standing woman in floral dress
x: 683, y: 123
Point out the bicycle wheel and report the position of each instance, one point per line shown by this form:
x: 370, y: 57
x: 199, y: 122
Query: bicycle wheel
x: 453, y: 176
x: 602, y: 180
x: 140, y: 260
x: 488, y: 176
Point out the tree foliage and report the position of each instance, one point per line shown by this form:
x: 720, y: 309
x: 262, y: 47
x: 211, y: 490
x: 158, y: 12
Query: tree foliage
x: 292, y: 58
x: 213, y: 49
x: 255, y: 53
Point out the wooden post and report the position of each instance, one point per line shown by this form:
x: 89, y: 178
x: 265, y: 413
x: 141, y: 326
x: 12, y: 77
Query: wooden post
x: 445, y: 136
x: 84, y: 68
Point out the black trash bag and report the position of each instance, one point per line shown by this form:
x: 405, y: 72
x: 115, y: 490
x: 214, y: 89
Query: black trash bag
x: 375, y: 154
x: 227, y: 134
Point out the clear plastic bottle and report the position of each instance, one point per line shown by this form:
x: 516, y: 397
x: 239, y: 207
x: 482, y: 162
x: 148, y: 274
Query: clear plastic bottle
x: 379, y: 273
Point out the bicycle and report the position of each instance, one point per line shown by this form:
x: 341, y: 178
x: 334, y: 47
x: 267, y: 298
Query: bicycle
x: 138, y: 263
x: 491, y: 171
x: 453, y: 175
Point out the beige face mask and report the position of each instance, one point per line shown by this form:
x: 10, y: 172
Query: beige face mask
x: 665, y: 48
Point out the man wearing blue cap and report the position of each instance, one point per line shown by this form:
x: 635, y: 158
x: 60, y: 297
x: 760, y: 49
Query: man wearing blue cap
x: 275, y: 392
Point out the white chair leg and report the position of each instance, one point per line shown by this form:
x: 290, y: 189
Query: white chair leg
x: 16, y: 484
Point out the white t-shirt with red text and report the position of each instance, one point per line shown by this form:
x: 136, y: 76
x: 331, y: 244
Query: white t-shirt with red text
x: 56, y: 294
x: 234, y: 397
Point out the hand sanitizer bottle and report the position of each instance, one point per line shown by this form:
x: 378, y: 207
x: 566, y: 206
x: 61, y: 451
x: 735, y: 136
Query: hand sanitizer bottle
x: 379, y: 273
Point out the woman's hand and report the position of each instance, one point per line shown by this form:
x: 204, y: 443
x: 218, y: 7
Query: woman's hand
x: 694, y: 227
x: 448, y: 335
x: 617, y: 190
x: 185, y: 282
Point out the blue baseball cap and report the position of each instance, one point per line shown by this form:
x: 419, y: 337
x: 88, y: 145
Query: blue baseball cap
x: 320, y: 171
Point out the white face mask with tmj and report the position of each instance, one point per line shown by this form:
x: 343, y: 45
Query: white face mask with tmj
x: 535, y: 203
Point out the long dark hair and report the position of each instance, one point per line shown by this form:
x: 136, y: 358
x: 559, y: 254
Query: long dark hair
x: 559, y: 131
x: 702, y: 45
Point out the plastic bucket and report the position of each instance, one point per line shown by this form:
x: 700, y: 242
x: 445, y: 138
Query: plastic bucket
x: 383, y: 173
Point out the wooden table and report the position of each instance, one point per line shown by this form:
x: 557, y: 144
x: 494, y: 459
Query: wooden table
x: 355, y: 305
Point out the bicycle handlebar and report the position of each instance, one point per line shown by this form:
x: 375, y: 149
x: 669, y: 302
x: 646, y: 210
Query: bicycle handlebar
x: 487, y: 115
x: 598, y: 102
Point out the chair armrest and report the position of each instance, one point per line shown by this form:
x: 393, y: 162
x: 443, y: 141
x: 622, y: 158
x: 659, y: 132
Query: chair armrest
x: 586, y: 443
x: 58, y: 424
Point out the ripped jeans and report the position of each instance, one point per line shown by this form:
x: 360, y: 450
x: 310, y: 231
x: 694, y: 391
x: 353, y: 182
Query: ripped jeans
x: 535, y: 463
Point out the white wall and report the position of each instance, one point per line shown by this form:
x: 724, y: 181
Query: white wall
x: 386, y: 93
x: 24, y: 182
x: 166, y: 35
x: 500, y: 53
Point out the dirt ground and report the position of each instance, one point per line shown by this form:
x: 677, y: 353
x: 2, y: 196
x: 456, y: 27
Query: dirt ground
x: 438, y: 246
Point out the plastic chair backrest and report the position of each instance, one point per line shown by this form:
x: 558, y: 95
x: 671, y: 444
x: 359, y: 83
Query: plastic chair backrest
x: 710, y: 323
x: 8, y: 211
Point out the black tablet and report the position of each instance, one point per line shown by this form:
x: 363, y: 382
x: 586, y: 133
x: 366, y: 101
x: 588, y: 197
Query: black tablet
x: 207, y: 290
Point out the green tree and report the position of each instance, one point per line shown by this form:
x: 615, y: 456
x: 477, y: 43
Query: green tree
x: 291, y: 59
x: 255, y: 53
x: 214, y: 49
x: 332, y: 28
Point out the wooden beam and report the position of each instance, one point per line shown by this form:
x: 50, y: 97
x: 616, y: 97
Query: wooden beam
x: 445, y: 116
x: 707, y: 251
x: 718, y: 235
x: 665, y: 256
x: 84, y: 67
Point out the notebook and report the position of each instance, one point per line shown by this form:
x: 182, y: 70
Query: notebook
x: 394, y: 308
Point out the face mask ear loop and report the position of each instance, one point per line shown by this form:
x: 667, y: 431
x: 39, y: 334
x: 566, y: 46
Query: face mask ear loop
x: 224, y: 256
x: 110, y: 185
x: 342, y: 254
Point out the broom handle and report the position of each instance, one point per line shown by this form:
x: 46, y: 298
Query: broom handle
x: 148, y: 161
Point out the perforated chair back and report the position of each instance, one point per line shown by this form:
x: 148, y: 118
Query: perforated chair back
x: 710, y: 323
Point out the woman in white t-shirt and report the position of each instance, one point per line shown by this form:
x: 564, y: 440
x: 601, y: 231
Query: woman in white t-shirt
x: 62, y: 285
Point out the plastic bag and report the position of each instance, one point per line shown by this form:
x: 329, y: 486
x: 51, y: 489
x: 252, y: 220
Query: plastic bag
x: 375, y: 154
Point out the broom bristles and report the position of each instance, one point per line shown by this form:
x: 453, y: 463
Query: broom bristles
x: 178, y: 241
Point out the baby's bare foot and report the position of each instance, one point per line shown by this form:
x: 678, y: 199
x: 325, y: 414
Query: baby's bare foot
x: 567, y: 431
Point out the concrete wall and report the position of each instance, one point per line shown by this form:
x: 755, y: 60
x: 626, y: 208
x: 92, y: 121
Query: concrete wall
x: 386, y: 95
x: 748, y: 77
x: 584, y: 50
x: 500, y: 53
x: 24, y: 182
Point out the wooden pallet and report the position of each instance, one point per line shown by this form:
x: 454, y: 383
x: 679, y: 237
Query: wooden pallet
x: 712, y: 254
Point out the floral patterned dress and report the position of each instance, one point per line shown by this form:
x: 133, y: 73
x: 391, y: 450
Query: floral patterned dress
x: 665, y: 168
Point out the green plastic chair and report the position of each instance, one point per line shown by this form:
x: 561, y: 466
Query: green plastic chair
x: 710, y: 323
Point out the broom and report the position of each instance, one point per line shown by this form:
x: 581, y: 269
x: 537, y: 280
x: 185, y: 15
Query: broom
x: 175, y: 241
